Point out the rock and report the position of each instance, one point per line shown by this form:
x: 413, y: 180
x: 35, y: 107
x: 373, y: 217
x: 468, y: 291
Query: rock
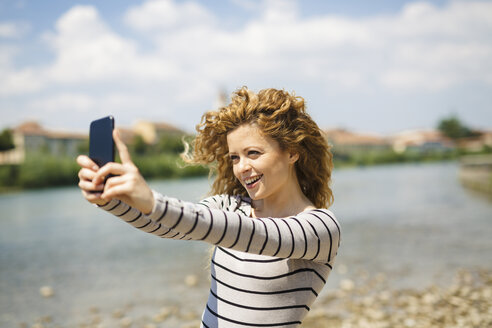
x: 193, y: 324
x: 189, y: 315
x: 149, y: 325
x: 347, y: 285
x: 46, y: 291
x: 118, y: 314
x: 163, y: 314
x: 191, y: 280
x: 126, y: 322
x: 94, y: 310
x: 342, y: 269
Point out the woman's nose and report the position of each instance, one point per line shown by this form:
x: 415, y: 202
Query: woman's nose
x: 244, y: 165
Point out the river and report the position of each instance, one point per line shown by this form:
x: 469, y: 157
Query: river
x: 414, y: 222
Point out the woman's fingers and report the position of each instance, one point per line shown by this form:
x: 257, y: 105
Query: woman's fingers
x: 114, y: 181
x: 111, y: 169
x: 89, y: 186
x: 116, y: 190
x: 110, y: 190
x: 122, y: 149
x: 86, y: 174
x: 94, y: 197
x: 85, y: 161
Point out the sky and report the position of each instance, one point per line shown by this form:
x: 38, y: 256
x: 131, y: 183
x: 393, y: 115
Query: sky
x: 379, y: 66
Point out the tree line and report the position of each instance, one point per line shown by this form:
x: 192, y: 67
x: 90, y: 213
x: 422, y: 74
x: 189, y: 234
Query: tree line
x: 162, y: 158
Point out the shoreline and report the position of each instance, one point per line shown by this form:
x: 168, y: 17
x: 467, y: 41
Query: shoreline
x: 359, y: 301
x: 8, y: 187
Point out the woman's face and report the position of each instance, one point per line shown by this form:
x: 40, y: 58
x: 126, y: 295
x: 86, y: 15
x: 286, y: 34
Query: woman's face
x: 258, y: 162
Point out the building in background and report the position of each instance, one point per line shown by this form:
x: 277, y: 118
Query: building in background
x: 347, y: 142
x: 152, y: 132
x: 476, y: 144
x: 32, y: 138
x: 421, y: 141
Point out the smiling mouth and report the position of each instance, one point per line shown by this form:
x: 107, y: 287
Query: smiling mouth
x: 251, y: 181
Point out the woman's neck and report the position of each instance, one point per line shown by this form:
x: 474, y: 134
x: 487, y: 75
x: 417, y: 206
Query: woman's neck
x: 290, y: 201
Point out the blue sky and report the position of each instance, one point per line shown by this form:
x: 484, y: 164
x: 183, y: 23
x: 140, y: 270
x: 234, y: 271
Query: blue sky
x: 368, y: 66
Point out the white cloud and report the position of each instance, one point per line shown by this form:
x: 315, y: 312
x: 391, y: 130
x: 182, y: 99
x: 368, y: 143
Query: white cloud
x: 160, y: 15
x: 431, y: 48
x: 13, y: 30
x: 64, y: 102
x: 179, y: 54
x: 87, y: 50
x: 19, y: 82
x: 421, y: 47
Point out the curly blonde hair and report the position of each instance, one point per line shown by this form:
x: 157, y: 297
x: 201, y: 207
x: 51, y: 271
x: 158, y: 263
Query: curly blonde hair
x: 282, y: 117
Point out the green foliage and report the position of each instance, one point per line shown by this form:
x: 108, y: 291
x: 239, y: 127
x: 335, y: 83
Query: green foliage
x: 8, y: 175
x: 170, y: 144
x: 47, y: 171
x: 390, y: 157
x: 139, y: 146
x: 83, y: 147
x: 41, y: 170
x: 453, y: 128
x: 6, y: 140
x: 166, y: 166
x: 167, y: 144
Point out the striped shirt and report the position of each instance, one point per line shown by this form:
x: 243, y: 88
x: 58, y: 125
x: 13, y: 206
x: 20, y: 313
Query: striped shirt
x: 265, y: 272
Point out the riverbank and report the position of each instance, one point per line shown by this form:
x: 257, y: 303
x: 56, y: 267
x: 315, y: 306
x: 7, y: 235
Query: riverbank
x: 370, y: 302
x: 44, y: 171
x: 415, y: 223
x: 48, y: 171
x: 476, y: 173
x: 363, y: 301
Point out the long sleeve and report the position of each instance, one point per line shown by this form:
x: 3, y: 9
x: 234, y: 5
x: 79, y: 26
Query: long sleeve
x: 265, y: 272
x: 311, y: 235
x: 140, y: 221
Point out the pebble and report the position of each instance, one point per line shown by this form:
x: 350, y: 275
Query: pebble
x: 342, y: 269
x: 193, y: 324
x: 347, y: 285
x: 466, y: 303
x: 363, y: 301
x: 46, y: 291
x: 118, y: 314
x: 163, y: 314
x: 149, y: 325
x: 126, y: 322
x: 191, y: 280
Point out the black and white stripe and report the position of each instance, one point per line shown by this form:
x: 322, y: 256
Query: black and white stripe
x: 266, y: 272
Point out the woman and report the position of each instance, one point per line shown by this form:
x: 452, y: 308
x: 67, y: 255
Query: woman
x: 275, y: 241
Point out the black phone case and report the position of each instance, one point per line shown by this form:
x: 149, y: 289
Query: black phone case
x: 101, y: 144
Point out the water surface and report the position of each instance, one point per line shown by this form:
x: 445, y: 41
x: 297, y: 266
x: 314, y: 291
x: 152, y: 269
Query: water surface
x: 415, y: 223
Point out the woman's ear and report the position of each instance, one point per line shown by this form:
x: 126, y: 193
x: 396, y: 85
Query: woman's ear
x: 293, y: 157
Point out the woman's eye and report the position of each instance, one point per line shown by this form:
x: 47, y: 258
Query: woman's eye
x: 253, y: 153
x: 234, y: 157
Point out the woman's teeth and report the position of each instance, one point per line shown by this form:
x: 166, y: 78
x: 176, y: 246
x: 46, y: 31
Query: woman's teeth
x: 253, y: 179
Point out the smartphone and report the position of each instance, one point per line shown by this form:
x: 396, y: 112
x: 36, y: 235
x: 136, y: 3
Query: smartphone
x: 101, y: 143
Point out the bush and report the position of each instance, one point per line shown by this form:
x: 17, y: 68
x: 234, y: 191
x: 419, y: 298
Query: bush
x: 166, y: 166
x: 47, y: 171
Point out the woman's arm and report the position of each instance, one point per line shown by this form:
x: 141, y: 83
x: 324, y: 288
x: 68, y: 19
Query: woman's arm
x: 125, y: 195
x: 124, y: 181
x: 312, y: 235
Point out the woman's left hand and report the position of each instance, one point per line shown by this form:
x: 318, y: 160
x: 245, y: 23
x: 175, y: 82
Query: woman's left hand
x: 126, y: 182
